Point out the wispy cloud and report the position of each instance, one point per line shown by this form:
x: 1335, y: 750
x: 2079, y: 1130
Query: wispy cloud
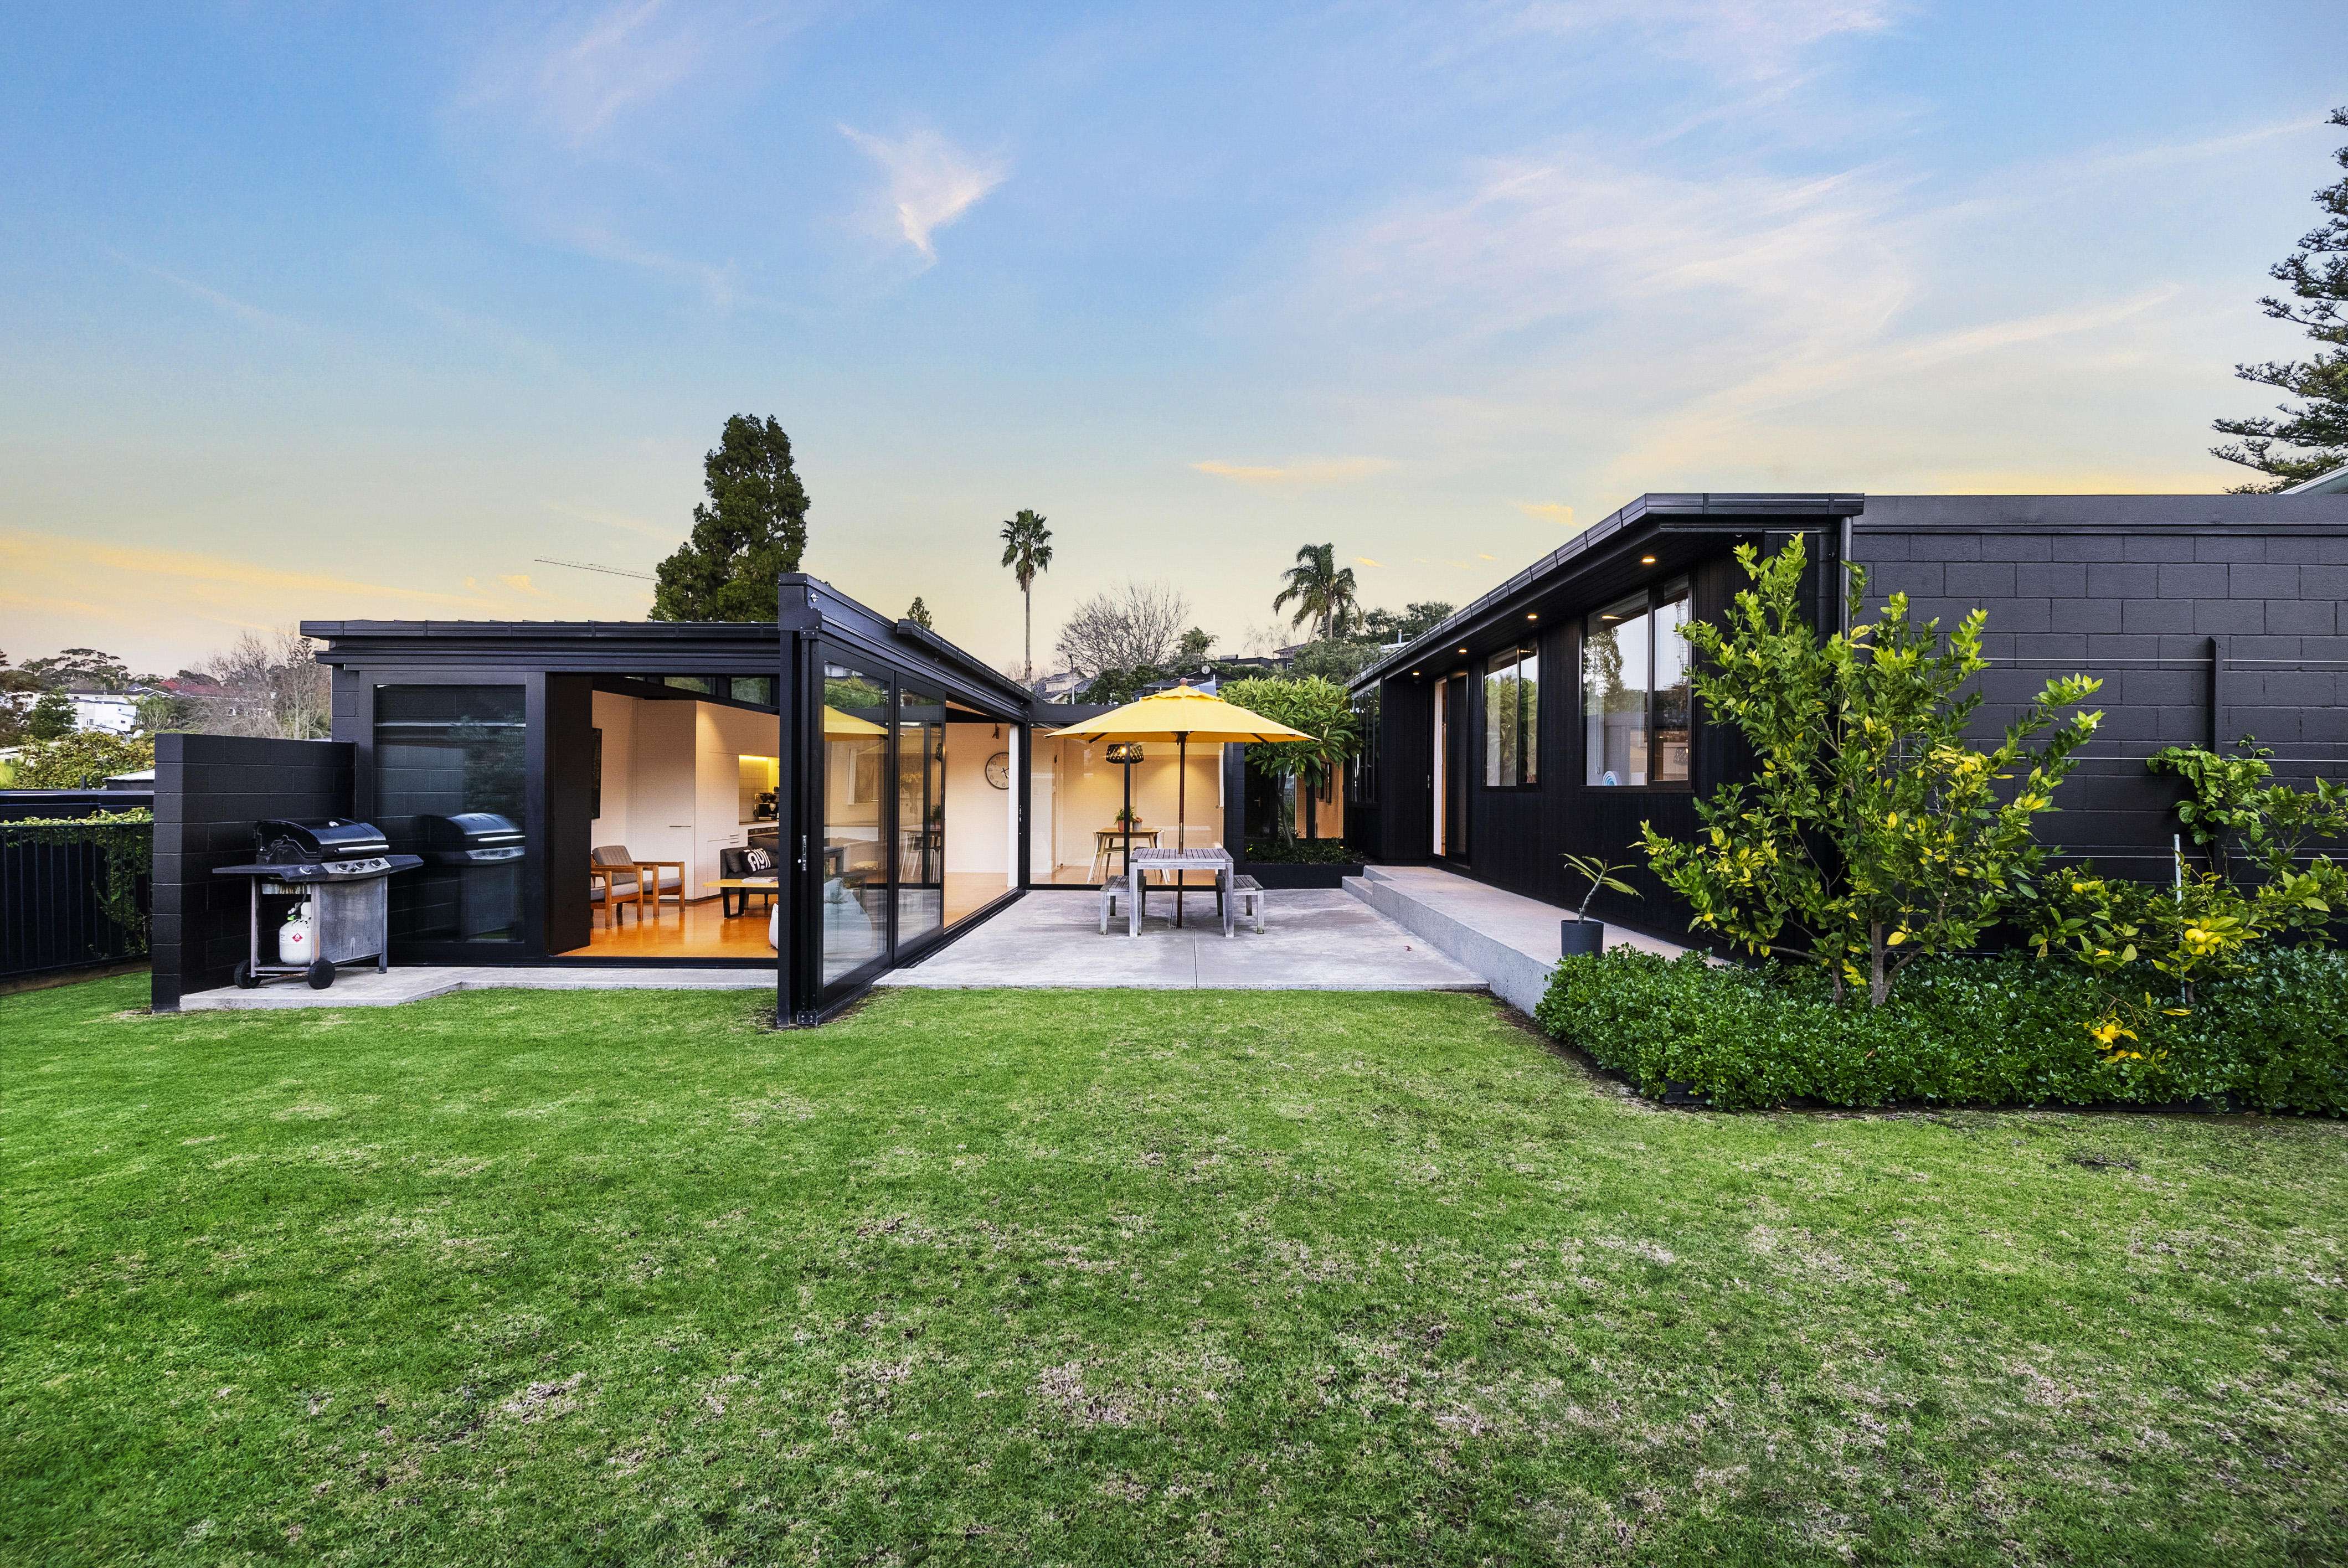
x: 228, y: 304
x: 1548, y: 512
x: 51, y: 573
x: 1365, y: 560
x: 576, y: 73
x: 1311, y: 472
x: 1747, y: 39
x: 665, y: 532
x: 931, y: 182
x: 596, y: 123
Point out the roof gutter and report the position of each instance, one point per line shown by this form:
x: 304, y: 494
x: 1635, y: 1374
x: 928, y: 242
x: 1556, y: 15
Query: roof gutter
x: 1699, y: 513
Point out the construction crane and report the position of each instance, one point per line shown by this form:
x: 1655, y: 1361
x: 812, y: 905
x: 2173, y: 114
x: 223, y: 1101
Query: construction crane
x: 591, y: 566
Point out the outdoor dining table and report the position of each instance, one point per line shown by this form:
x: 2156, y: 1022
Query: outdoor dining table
x: 1178, y: 861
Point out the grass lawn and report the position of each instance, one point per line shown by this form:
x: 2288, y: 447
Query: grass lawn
x: 1069, y: 1278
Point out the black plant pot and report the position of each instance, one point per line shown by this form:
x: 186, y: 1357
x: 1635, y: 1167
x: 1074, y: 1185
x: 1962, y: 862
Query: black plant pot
x: 1581, y: 939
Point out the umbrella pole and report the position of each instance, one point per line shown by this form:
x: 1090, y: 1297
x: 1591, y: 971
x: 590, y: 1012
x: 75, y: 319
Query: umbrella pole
x: 1181, y: 814
x: 1126, y: 822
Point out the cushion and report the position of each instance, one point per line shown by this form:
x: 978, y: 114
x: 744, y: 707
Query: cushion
x: 759, y: 860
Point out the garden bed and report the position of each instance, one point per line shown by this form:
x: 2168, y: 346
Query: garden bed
x: 2010, y: 1031
x: 1290, y: 874
x: 1300, y: 862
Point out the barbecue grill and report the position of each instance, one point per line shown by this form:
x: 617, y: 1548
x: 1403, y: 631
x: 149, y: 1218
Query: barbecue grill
x: 342, y: 867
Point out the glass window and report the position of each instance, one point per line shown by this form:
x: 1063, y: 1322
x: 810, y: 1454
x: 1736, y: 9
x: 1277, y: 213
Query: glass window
x: 854, y: 912
x: 449, y: 773
x: 755, y: 689
x: 1512, y: 719
x: 1634, y: 691
x: 921, y: 814
x: 1673, y: 708
x: 705, y: 684
x: 1361, y: 773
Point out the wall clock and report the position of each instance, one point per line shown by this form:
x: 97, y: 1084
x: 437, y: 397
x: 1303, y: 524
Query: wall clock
x: 998, y: 770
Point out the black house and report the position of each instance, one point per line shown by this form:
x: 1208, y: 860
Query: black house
x: 2209, y: 617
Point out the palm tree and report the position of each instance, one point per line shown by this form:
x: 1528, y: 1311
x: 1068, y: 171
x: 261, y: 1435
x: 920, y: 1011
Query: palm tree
x: 1026, y: 550
x: 1321, y: 592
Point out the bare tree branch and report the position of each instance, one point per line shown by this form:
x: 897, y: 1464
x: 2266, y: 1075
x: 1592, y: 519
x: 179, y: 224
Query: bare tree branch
x: 1141, y: 623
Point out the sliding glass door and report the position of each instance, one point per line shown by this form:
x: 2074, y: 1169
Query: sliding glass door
x: 915, y: 834
x: 852, y: 908
x: 921, y: 836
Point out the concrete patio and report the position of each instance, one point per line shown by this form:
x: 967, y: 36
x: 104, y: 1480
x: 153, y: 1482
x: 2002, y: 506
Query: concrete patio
x: 367, y: 988
x: 1398, y: 928
x: 1312, y: 941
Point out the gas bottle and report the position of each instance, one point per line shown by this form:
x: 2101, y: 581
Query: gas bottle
x: 296, y: 940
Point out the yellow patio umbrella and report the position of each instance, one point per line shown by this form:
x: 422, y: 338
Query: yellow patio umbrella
x: 1181, y: 715
x: 839, y: 725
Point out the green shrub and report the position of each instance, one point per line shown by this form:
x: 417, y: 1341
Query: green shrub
x: 2010, y: 1029
x: 83, y: 760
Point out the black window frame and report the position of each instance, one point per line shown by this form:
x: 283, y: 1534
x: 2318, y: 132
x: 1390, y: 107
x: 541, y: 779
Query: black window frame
x: 1362, y: 771
x: 1673, y: 590
x: 1517, y: 655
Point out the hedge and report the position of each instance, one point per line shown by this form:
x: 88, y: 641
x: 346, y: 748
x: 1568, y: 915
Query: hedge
x: 2007, y: 1030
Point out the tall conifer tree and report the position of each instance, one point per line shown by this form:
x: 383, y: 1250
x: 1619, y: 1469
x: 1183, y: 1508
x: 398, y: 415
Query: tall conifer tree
x: 752, y: 528
x: 2317, y: 278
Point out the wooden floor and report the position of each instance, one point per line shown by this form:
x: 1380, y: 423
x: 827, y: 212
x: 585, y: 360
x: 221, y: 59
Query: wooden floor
x: 701, y: 930
x: 688, y: 931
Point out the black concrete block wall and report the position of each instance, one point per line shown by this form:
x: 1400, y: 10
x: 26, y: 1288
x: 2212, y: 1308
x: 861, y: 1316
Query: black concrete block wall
x: 2207, y: 618
x: 209, y: 791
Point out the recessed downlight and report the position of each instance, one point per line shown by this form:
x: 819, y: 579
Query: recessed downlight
x: 1646, y: 560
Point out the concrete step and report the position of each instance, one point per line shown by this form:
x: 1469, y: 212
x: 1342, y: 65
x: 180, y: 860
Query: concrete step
x: 1517, y: 977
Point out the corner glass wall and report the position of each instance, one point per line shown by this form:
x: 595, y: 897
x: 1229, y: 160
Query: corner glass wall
x: 854, y: 906
x: 921, y: 816
x: 920, y: 821
x: 451, y: 765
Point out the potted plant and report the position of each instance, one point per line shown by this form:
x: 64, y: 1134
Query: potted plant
x: 1127, y: 817
x: 1582, y: 936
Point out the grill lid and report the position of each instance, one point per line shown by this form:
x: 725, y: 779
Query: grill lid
x: 317, y: 838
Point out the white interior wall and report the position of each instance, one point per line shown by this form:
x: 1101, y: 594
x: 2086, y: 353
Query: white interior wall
x: 617, y: 717
x: 977, y: 829
x: 1042, y: 804
x: 661, y: 816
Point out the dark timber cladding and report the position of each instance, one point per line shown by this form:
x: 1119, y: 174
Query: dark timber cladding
x: 2208, y: 616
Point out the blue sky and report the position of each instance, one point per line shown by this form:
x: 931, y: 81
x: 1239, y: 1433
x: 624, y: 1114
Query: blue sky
x: 319, y: 311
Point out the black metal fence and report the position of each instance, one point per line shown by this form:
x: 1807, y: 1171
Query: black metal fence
x: 55, y: 908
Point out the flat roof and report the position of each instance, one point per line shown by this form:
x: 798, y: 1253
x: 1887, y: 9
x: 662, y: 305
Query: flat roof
x: 1734, y: 513
x: 669, y: 646
x: 2303, y: 511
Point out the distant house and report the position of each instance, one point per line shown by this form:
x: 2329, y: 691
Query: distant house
x: 116, y: 713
